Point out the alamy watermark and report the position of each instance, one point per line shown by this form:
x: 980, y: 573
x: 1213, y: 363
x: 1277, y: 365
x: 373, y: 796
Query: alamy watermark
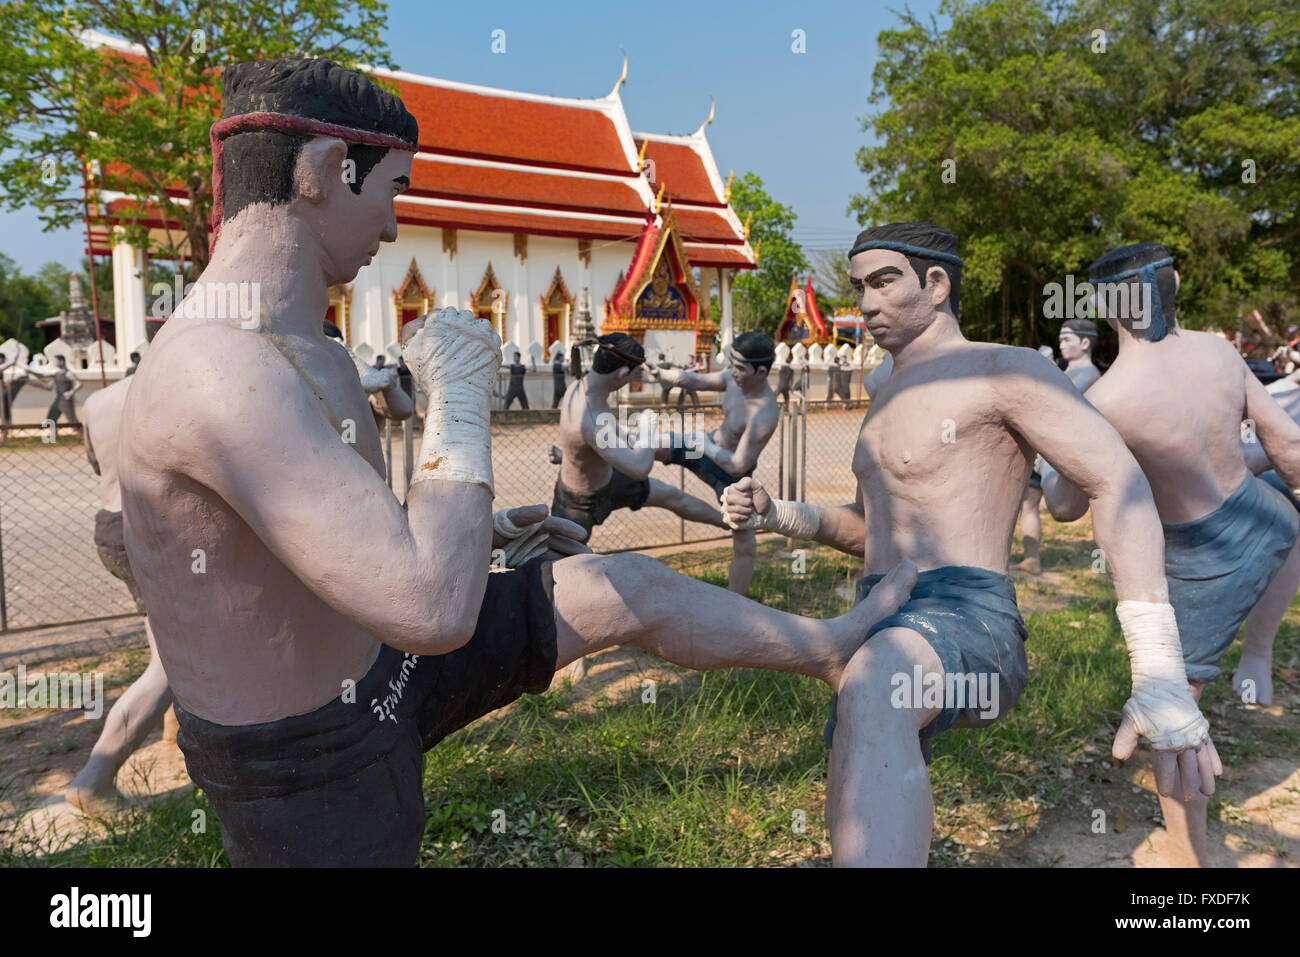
x: 1116, y: 300
x: 612, y: 431
x: 968, y: 691
x: 210, y: 300
x: 61, y: 690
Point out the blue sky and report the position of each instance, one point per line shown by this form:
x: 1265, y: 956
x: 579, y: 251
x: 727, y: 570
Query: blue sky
x: 792, y: 118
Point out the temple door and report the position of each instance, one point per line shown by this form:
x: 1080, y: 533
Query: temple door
x: 552, y: 329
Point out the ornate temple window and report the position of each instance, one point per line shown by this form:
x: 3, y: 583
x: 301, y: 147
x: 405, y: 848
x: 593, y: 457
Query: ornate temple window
x: 340, y: 310
x: 557, y: 307
x: 491, y: 302
x: 412, y: 298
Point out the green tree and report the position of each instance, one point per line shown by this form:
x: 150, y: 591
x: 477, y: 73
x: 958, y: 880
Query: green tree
x: 1043, y: 132
x: 142, y: 120
x: 760, y: 293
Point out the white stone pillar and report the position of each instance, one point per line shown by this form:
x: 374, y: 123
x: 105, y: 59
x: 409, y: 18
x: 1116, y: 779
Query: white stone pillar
x: 130, y: 301
x: 521, y: 331
x: 724, y: 301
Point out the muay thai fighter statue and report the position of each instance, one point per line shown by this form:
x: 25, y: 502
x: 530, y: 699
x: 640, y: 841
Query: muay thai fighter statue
x: 941, y: 462
x: 1230, y: 541
x: 143, y: 705
x: 749, y: 419
x: 317, y: 635
x: 1076, y: 341
x: 602, y: 469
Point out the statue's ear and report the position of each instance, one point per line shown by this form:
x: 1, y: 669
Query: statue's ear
x: 319, y: 161
x: 939, y: 285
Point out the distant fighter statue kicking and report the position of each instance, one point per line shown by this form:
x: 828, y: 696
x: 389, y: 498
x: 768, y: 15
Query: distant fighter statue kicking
x: 601, y: 468
x: 1179, y: 399
x: 941, y: 462
x: 65, y: 385
x: 1078, y: 336
x: 143, y: 705
x: 750, y: 414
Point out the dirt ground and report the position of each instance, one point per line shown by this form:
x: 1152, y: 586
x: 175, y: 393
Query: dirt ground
x: 1258, y: 825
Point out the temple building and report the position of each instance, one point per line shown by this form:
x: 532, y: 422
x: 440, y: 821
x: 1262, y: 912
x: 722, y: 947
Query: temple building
x: 521, y: 207
x: 802, y: 321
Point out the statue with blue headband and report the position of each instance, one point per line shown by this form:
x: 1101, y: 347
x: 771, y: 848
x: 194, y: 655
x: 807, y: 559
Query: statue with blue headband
x: 941, y: 462
x: 1182, y: 400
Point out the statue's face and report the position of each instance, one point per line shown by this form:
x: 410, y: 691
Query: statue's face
x: 745, y: 374
x: 1073, y: 346
x: 893, y: 304
x: 356, y: 225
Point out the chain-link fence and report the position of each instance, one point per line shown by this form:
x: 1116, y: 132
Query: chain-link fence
x: 50, y: 572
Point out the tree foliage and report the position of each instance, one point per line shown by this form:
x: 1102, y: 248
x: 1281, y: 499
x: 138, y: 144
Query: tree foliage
x: 1072, y: 126
x: 759, y: 294
x: 142, y: 120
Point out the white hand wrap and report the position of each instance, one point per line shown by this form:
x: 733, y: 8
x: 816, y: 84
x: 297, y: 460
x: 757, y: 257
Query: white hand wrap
x: 1044, y: 468
x: 523, y: 544
x: 669, y: 377
x: 372, y: 380
x: 647, y: 429
x: 797, y: 520
x: 1162, y: 707
x: 454, y: 359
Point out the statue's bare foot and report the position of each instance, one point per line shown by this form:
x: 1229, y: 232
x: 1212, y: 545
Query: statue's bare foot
x: 556, y: 455
x: 92, y: 791
x: 1253, y: 679
x: 1162, y: 850
x: 850, y: 629
x: 1033, y: 566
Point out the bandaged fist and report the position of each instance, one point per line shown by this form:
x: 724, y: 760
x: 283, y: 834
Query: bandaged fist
x: 452, y: 349
x: 744, y: 503
x: 521, y: 534
x: 668, y: 377
x: 1162, y: 708
x: 647, y: 427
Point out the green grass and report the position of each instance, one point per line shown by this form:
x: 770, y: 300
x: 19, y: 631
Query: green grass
x: 728, y: 767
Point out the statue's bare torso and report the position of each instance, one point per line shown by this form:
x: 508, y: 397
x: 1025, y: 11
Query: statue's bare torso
x: 940, y: 472
x: 243, y: 609
x: 1179, y: 404
x: 583, y: 469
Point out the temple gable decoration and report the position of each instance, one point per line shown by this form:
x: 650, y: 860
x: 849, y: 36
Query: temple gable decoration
x: 659, y: 291
x: 802, y: 321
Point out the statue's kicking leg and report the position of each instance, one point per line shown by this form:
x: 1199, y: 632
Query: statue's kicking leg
x: 139, y: 710
x: 744, y: 551
x: 879, y: 809
x: 1031, y: 530
x: 605, y: 600
x: 1261, y: 626
x: 663, y: 495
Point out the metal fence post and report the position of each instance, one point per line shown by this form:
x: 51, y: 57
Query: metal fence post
x: 780, y: 450
x: 4, y: 609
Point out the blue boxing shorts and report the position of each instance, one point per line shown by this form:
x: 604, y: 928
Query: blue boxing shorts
x: 970, y: 618
x: 1218, y: 567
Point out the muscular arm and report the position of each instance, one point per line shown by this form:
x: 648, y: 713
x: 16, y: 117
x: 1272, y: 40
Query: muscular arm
x: 413, y: 579
x: 76, y: 383
x: 1277, y: 434
x: 611, y: 443
x: 393, y: 403
x: 752, y: 442
x: 705, y: 381
x: 1043, y: 408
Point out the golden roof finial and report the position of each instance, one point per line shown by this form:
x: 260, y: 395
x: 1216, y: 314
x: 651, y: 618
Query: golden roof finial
x: 711, y: 108
x: 758, y: 246
x: 659, y: 197
x: 726, y: 195
x: 623, y: 76
x: 748, y: 216
x: 640, y: 157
